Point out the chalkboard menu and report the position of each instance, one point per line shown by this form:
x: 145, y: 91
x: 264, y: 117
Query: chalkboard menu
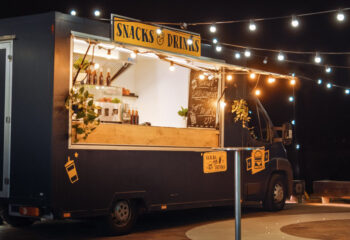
x: 202, y: 100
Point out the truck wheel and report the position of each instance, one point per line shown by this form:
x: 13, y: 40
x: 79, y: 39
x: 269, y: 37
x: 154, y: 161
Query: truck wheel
x: 122, y: 217
x: 18, y: 222
x: 276, y: 194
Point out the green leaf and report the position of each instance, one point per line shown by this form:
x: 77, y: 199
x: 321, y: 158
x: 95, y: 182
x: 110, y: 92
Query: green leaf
x: 80, y: 130
x: 81, y: 90
x: 90, y: 103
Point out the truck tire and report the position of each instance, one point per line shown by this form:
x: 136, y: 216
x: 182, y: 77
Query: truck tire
x: 17, y: 222
x: 122, y: 217
x: 276, y: 193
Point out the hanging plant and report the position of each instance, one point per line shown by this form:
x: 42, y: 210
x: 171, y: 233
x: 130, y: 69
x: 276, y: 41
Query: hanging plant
x: 80, y: 104
x: 241, y: 111
x: 81, y: 64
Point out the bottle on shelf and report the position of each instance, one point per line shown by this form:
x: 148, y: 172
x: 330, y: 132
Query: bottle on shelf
x: 132, y: 117
x: 94, y: 77
x: 108, y: 77
x: 137, y: 117
x: 100, y: 78
x: 89, y: 76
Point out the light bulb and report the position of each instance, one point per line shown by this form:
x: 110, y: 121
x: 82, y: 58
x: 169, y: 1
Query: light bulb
x: 237, y: 55
x: 317, y: 58
x: 218, y: 48
x: 201, y: 77
x: 247, y: 53
x: 190, y: 41
x: 328, y: 69
x: 292, y: 82
x: 297, y: 146
x: 252, y: 26
x: 96, y: 66
x: 329, y: 85
x: 97, y: 13
x: 347, y: 91
x: 271, y: 80
x: 212, y: 29
x: 265, y: 60
x: 133, y: 55
x: 319, y: 81
x: 293, y: 122
x: 229, y: 77
x: 280, y: 56
x: 291, y: 99
x: 252, y: 75
x: 215, y: 40
x: 73, y: 12
x: 257, y: 92
x: 222, y: 104
x: 159, y: 31
x: 172, y: 67
x: 340, y: 16
x: 294, y: 22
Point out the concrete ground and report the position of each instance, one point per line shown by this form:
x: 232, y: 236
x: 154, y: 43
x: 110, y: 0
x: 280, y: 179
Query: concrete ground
x: 209, y: 223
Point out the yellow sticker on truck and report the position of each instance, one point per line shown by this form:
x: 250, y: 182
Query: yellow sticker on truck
x: 214, y: 162
x: 257, y: 162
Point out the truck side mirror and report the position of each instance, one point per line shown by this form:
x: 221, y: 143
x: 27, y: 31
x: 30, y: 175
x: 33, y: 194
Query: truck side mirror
x: 287, y: 134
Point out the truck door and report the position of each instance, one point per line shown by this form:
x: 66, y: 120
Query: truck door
x: 5, y: 116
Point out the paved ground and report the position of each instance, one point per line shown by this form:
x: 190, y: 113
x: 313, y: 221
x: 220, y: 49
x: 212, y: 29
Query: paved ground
x: 195, y: 224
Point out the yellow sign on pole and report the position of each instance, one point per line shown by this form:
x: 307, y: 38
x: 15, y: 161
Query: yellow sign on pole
x: 130, y: 31
x: 214, y: 162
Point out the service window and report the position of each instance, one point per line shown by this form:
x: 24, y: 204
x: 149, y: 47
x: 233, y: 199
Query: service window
x: 143, y: 98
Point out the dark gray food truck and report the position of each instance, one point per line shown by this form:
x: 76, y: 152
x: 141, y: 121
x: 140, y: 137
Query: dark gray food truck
x: 108, y: 119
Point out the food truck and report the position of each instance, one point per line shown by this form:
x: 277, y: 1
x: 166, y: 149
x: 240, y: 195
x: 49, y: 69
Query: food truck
x: 117, y: 118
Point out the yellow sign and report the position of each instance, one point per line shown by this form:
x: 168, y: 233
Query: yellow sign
x: 71, y: 170
x: 134, y: 32
x: 214, y: 162
x: 257, y: 162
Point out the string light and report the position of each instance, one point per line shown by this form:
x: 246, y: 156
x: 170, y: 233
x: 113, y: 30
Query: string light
x: 293, y: 122
x: 328, y: 69
x: 292, y: 82
x: 329, y: 85
x: 215, y: 40
x: 280, y: 56
x: 257, y: 92
x: 317, y: 58
x: 222, y: 104
x: 319, y: 81
x: 97, y: 13
x: 133, y: 54
x: 229, y: 77
x: 190, y: 41
x: 201, y: 77
x: 159, y: 31
x: 297, y: 146
x: 237, y: 55
x: 73, y: 12
x: 172, y: 67
x: 347, y: 91
x: 291, y: 99
x: 96, y: 66
x: 247, y: 53
x: 252, y: 26
x: 271, y: 80
x: 212, y: 29
x: 265, y: 60
x: 294, y: 22
x: 218, y: 48
x: 252, y: 75
x: 340, y: 16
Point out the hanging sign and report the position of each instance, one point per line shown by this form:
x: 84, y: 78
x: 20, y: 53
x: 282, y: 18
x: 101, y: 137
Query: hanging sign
x: 214, y: 162
x: 131, y: 31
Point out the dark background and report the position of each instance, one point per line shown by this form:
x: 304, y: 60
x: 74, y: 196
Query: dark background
x: 322, y: 117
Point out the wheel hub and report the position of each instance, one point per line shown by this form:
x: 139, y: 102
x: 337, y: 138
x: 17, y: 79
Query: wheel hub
x: 122, y: 213
x: 278, y: 193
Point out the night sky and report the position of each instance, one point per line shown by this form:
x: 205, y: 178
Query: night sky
x: 322, y: 115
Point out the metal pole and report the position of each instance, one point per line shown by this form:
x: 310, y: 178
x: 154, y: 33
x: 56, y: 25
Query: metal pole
x: 237, y: 195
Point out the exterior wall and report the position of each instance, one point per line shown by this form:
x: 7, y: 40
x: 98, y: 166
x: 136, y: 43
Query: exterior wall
x: 32, y: 86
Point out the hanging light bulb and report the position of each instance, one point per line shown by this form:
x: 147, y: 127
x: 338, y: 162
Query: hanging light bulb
x: 222, y: 104
x: 293, y: 122
x: 201, y: 77
x: 265, y: 60
x: 190, y: 41
x: 215, y: 40
x: 172, y: 67
x: 271, y: 80
x: 159, y: 31
x: 218, y: 48
x: 291, y: 99
x: 294, y: 22
x: 340, y: 16
x: 229, y: 77
x: 96, y: 66
x: 212, y: 29
x: 329, y: 85
x: 347, y: 91
x: 319, y: 81
x: 328, y: 69
x: 252, y: 26
x: 257, y: 92
x: 247, y: 53
x: 97, y: 13
x: 252, y: 75
x: 292, y: 82
x: 73, y: 12
x: 280, y: 56
x: 237, y: 55
x: 317, y: 58
x: 133, y: 55
x: 297, y: 146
